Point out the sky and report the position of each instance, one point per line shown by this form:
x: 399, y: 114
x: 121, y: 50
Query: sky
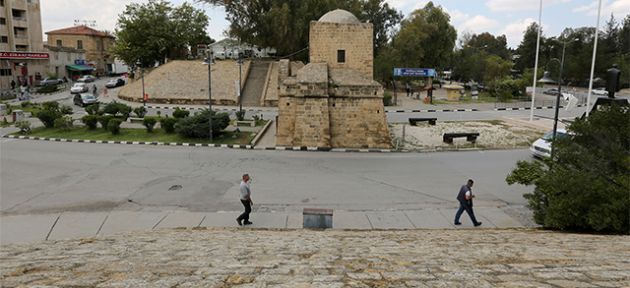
x: 499, y: 17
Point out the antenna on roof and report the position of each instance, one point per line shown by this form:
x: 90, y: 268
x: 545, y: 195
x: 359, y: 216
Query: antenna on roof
x: 89, y: 23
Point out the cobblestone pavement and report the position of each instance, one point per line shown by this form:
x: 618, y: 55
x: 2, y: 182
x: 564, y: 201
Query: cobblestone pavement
x: 308, y: 258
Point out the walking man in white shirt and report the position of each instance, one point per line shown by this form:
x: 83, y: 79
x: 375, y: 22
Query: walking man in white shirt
x: 246, y: 199
x: 465, y: 197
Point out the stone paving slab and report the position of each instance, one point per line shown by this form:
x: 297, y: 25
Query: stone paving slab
x: 322, y: 258
x: 77, y: 224
x: 389, y: 220
x: 222, y: 219
x: 497, y: 218
x: 295, y: 220
x: 25, y: 228
x: 428, y: 219
x: 268, y: 220
x: 181, y: 219
x: 124, y: 221
x: 350, y: 220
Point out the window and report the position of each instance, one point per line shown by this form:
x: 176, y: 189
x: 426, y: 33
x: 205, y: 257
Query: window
x: 79, y: 44
x: 4, y: 39
x: 2, y: 3
x: 21, y: 47
x: 3, y: 21
x: 59, y: 43
x: 5, y: 72
x: 341, y: 56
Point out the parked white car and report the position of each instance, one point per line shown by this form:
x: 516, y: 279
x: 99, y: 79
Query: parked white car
x: 79, y: 88
x: 541, y: 148
x: 600, y: 91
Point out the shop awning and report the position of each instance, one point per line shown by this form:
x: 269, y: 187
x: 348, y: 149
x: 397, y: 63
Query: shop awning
x: 80, y: 68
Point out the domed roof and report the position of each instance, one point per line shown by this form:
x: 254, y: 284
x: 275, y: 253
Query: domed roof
x: 339, y: 16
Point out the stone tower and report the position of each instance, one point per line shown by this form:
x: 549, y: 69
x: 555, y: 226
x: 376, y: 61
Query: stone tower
x: 333, y: 102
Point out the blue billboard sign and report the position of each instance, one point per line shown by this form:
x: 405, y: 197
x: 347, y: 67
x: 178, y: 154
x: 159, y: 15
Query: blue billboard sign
x: 79, y: 62
x: 414, y: 72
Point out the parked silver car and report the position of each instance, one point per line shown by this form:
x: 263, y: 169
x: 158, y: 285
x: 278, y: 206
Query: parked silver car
x: 79, y: 88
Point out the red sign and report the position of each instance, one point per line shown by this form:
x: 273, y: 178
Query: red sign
x: 23, y: 55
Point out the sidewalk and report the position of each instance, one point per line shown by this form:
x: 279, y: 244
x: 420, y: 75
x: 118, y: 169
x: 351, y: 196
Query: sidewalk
x: 69, y: 225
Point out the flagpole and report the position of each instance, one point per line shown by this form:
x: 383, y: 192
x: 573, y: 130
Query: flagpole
x: 590, y: 82
x: 531, y: 111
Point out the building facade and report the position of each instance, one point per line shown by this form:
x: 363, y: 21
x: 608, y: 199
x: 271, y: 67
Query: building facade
x: 22, y: 55
x: 95, y: 43
x: 63, y: 59
x: 333, y: 102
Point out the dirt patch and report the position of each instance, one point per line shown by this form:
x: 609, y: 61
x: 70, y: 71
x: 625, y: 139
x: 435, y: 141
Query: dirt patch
x: 494, y: 134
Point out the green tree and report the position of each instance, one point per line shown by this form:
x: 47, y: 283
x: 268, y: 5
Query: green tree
x: 526, y: 50
x: 426, y: 38
x: 585, y: 186
x: 284, y: 24
x: 156, y: 30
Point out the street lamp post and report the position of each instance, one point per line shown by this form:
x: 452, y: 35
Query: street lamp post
x: 240, y: 90
x: 547, y: 79
x: 144, y: 101
x: 208, y: 61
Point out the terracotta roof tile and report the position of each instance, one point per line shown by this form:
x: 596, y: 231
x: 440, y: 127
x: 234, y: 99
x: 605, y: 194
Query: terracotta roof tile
x: 80, y: 30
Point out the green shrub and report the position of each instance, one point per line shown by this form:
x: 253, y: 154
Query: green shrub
x: 91, y: 121
x: 26, y: 104
x: 7, y: 96
x: 387, y: 99
x: 118, y: 109
x: 585, y: 186
x: 197, y: 126
x: 114, y: 126
x: 104, y: 120
x: 240, y: 115
x: 48, y: 89
x: 180, y: 113
x: 65, y: 109
x: 93, y: 109
x: 64, y: 123
x: 140, y: 111
x: 168, y: 124
x: 51, y: 105
x: 24, y: 126
x: 149, y: 123
x: 48, y: 117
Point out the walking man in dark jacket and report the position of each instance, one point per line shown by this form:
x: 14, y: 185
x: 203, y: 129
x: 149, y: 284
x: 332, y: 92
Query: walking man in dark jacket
x: 246, y: 199
x: 465, y: 197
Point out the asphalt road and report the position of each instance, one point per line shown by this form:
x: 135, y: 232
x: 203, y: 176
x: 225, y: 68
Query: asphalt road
x: 44, y: 177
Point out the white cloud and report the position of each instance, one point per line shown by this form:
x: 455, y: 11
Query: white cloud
x: 619, y: 8
x: 514, y: 31
x: 478, y: 24
x: 519, y: 5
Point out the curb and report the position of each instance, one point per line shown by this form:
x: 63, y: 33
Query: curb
x: 214, y: 109
x: 230, y: 146
x: 529, y: 108
x: 432, y: 110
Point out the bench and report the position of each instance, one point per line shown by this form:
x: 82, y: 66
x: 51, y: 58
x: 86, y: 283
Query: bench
x: 470, y: 137
x: 317, y: 218
x: 414, y: 121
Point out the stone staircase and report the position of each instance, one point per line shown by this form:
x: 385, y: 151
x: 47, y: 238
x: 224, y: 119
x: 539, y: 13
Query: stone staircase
x: 255, y: 84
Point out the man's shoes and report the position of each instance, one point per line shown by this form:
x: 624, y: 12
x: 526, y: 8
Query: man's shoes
x: 458, y: 223
x: 239, y: 222
x: 248, y: 223
x: 477, y: 224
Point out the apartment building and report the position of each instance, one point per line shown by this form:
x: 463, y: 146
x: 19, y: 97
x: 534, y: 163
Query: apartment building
x: 22, y: 54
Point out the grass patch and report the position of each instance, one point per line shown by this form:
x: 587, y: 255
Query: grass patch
x: 140, y: 135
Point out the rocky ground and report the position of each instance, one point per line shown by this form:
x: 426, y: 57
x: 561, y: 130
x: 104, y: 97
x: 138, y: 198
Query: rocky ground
x: 307, y: 258
x: 495, y: 134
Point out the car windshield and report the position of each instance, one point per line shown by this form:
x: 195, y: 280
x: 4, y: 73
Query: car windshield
x: 79, y: 85
x: 549, y: 135
x: 88, y: 97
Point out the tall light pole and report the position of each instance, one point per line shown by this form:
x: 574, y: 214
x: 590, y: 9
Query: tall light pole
x: 547, y: 79
x: 531, y: 111
x: 208, y: 61
x: 240, y: 90
x: 590, y: 82
x: 144, y: 100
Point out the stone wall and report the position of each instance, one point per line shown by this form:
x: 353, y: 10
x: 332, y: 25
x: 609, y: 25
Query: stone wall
x: 358, y: 123
x: 186, y: 82
x: 303, y: 121
x: 356, y: 39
